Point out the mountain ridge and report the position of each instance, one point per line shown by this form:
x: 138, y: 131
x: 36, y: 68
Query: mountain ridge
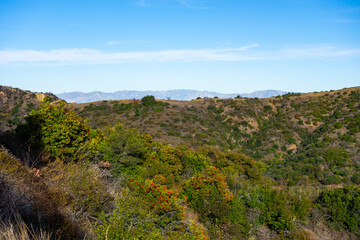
x: 176, y: 94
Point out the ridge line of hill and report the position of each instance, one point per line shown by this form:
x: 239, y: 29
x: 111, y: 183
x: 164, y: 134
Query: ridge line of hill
x: 177, y: 94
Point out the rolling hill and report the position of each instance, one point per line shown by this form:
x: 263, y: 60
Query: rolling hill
x: 15, y: 104
x: 308, y: 135
x: 284, y: 167
x: 310, y: 129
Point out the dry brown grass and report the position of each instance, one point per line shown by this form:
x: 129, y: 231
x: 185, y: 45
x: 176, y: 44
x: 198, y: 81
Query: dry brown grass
x: 25, y: 196
x: 18, y: 230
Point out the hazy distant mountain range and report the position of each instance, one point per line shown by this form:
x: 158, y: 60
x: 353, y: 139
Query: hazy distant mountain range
x: 181, y: 94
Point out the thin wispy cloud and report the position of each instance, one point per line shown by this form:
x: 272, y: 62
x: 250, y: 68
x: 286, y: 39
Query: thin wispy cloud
x: 92, y: 56
x: 185, y: 3
x: 347, y: 20
x: 114, y: 42
x: 141, y: 3
x: 315, y: 52
x: 351, y: 9
x: 127, y: 42
x: 194, y: 4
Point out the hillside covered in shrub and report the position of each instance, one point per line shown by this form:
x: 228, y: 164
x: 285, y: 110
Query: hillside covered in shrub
x: 277, y: 168
x: 303, y: 137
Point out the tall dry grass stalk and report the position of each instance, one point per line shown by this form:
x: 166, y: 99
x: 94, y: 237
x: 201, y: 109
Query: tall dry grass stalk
x: 18, y: 230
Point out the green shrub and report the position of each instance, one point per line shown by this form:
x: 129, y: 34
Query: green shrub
x: 197, y: 162
x: 331, y: 179
x: 336, y: 156
x: 59, y: 131
x: 291, y: 140
x: 164, y: 160
x: 343, y: 207
x: 134, y: 218
x: 148, y: 100
x: 274, y: 207
x: 237, y: 214
x: 30, y: 106
x: 131, y: 219
x: 163, y: 201
x: 158, y: 109
x: 338, y: 125
x: 212, y: 108
x: 209, y: 194
x: 301, y: 201
x: 267, y: 108
x: 356, y: 178
x: 123, y: 148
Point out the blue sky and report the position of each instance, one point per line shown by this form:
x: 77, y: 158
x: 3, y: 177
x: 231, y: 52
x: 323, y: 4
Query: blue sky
x: 230, y: 46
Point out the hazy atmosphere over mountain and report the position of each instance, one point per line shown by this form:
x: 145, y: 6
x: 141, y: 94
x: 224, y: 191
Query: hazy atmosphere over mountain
x: 180, y: 94
x: 227, y: 46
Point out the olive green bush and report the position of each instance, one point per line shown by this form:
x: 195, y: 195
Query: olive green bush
x: 123, y: 148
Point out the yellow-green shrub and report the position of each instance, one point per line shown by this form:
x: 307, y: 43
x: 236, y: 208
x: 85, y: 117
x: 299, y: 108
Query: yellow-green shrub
x: 58, y: 130
x: 134, y: 218
x: 165, y: 160
x: 131, y: 219
x: 195, y: 161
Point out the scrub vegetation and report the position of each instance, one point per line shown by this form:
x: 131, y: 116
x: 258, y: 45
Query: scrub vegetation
x: 286, y: 167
